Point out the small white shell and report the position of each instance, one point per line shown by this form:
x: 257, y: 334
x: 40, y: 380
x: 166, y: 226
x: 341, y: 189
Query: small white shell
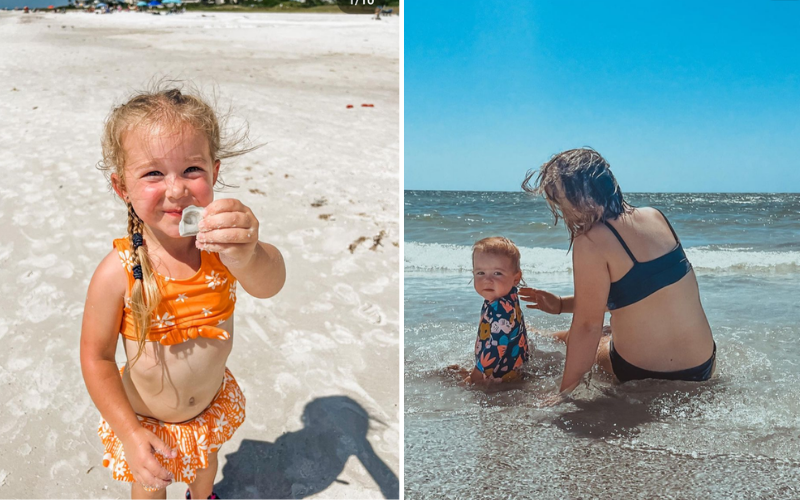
x: 190, y: 218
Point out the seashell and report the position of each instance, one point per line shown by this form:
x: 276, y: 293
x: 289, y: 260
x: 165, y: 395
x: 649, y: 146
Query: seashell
x: 190, y: 219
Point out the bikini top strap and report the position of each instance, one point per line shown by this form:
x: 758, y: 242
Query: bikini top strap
x: 622, y: 242
x: 678, y: 240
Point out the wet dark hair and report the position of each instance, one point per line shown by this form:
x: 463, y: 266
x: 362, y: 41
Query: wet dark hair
x: 587, y: 183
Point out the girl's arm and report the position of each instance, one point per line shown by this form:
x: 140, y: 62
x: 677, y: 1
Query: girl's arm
x: 102, y: 316
x: 265, y: 274
x: 592, y: 283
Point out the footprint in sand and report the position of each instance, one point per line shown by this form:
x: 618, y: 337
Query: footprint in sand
x: 375, y: 288
x: 40, y: 303
x: 287, y: 384
x: 382, y: 338
x: 5, y: 250
x: 372, y: 313
x: 346, y: 293
x: 297, y: 238
x: 53, y: 265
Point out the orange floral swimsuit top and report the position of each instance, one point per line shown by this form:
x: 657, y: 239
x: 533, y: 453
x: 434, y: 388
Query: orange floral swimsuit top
x: 189, y: 308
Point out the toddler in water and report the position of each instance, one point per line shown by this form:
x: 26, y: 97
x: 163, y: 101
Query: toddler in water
x: 174, y: 403
x: 502, y: 344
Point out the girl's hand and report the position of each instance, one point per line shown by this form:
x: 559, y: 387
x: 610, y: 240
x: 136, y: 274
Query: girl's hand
x: 145, y: 468
x: 230, y: 229
x: 542, y: 300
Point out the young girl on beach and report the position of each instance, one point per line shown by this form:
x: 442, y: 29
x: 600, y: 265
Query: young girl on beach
x: 502, y: 344
x: 170, y: 408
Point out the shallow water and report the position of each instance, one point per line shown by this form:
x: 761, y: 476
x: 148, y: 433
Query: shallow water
x: 735, y: 436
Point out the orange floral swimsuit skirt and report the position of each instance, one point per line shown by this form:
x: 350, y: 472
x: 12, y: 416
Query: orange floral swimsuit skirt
x: 188, y: 309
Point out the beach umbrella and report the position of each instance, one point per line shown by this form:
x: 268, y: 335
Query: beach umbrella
x: 50, y: 7
x: 141, y: 4
x: 154, y: 3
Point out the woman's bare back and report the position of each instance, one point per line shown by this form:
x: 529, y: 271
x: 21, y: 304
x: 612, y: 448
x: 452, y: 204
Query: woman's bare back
x: 667, y: 330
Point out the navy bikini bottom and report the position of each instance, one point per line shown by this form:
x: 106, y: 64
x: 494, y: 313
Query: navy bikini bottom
x: 625, y: 371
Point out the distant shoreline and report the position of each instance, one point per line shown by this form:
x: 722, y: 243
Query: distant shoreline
x: 199, y: 7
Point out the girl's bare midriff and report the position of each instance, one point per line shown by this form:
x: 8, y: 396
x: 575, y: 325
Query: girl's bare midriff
x: 176, y: 383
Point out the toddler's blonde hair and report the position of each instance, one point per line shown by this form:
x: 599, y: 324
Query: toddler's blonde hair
x: 498, y: 245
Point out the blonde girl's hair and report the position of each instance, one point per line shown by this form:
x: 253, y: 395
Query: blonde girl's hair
x: 498, y: 245
x: 584, y: 178
x: 162, y: 105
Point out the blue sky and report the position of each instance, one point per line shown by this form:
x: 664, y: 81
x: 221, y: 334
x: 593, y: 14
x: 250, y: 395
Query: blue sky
x: 678, y: 96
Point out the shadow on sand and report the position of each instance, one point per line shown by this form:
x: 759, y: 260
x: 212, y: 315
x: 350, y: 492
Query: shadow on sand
x: 623, y: 409
x: 302, y: 463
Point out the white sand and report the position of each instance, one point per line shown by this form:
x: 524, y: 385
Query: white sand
x: 333, y: 330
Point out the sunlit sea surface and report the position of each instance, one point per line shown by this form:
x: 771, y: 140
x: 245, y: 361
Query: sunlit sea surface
x: 737, y: 436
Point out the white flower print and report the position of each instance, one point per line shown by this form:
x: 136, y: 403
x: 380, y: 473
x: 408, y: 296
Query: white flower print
x: 221, y: 423
x: 127, y: 302
x: 188, y: 473
x: 215, y: 280
x: 186, y: 459
x: 119, y: 469
x: 206, y: 312
x: 202, y: 444
x: 163, y: 321
x: 232, y: 291
x: 127, y: 259
x: 181, y: 298
x: 220, y: 322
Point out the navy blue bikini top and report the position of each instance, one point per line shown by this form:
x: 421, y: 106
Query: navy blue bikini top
x: 646, y: 278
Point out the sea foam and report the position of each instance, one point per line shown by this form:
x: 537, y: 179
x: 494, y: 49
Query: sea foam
x: 457, y: 258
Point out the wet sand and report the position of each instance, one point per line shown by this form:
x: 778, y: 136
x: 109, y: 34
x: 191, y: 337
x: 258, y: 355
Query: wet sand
x: 319, y: 363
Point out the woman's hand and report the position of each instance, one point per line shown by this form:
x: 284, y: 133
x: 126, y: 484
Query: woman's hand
x: 139, y: 453
x: 542, y: 300
x: 230, y: 229
x: 554, y: 400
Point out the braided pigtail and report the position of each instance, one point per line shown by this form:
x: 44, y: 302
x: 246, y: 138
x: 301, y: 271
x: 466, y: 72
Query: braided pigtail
x: 145, y: 294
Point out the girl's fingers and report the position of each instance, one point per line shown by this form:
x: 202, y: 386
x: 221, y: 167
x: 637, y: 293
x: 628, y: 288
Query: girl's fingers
x: 217, y: 248
x: 151, y: 481
x: 534, y: 306
x: 224, y: 205
x: 160, y: 475
x: 225, y: 220
x: 162, y: 449
x: 227, y: 236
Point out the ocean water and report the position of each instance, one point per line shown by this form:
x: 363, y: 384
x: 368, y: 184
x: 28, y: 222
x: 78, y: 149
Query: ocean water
x: 737, y: 436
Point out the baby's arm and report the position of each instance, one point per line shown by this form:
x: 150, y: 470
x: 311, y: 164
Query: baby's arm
x: 102, y: 316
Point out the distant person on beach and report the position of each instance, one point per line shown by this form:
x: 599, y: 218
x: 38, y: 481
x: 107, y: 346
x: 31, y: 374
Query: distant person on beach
x: 168, y: 411
x: 502, y: 344
x: 630, y: 262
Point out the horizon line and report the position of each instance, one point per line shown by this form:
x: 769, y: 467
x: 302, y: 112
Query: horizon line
x: 627, y: 192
